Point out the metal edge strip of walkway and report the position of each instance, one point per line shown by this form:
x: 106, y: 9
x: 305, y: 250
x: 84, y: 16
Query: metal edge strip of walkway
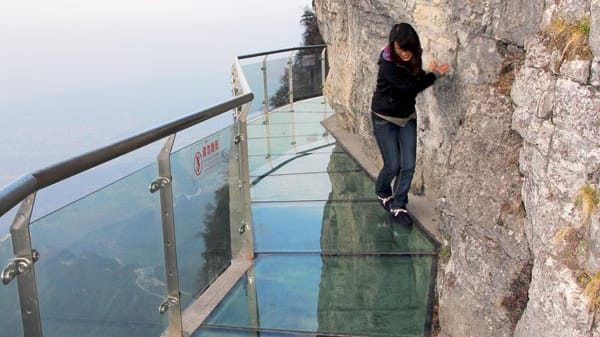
x: 199, y: 310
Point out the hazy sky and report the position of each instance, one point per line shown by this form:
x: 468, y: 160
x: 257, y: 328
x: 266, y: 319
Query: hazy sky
x: 54, y: 47
x: 80, y: 74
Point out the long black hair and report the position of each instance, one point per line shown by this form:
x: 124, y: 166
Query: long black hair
x: 407, y: 39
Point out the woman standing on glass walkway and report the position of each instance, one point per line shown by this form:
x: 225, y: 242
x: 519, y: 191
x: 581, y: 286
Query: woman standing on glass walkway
x: 399, y: 80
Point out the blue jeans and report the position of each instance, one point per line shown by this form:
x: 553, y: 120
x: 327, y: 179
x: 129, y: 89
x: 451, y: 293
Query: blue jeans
x: 398, y: 146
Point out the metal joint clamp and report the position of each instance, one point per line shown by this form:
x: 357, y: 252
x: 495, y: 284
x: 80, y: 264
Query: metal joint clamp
x: 159, y: 183
x: 18, y: 266
x: 167, y: 304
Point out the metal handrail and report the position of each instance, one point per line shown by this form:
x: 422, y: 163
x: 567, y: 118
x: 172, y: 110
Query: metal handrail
x: 20, y: 188
x: 281, y: 51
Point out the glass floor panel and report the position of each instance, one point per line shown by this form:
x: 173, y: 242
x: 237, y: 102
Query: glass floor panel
x: 307, y: 162
x: 285, y: 129
x: 257, y: 160
x: 314, y: 186
x: 343, y: 295
x: 323, y: 148
x: 287, y: 145
x: 333, y: 227
x: 224, y: 332
x: 290, y: 118
x: 314, y: 105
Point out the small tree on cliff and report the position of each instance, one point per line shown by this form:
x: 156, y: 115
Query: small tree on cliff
x: 312, y: 34
x: 304, y: 76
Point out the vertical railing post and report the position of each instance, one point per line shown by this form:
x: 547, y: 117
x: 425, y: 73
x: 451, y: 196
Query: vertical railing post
x: 242, y: 242
x: 244, y: 232
x: 265, y: 91
x: 164, y: 184
x: 291, y: 85
x: 266, y: 109
x: 323, y: 74
x: 291, y: 80
x: 22, y: 268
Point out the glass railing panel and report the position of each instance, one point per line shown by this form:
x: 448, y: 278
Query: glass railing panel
x: 333, y: 227
x: 277, y: 84
x: 307, y: 74
x: 201, y: 197
x: 288, y: 133
x: 10, y: 315
x: 101, y: 270
x: 343, y: 295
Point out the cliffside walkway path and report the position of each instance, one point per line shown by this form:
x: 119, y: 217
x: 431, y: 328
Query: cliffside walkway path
x: 329, y: 262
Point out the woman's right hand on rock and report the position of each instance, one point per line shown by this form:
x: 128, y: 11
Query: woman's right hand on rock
x: 439, y: 68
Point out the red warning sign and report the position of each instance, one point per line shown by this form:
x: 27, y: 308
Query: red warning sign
x: 198, y: 163
x: 207, y: 159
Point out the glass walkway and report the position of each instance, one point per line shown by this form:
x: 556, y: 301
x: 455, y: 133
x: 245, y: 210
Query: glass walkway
x: 329, y: 261
x: 132, y: 259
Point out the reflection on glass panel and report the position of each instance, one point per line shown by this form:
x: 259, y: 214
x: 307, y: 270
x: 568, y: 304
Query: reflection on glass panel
x: 276, y: 77
x: 307, y: 74
x: 392, y: 293
x: 358, y: 295
x: 333, y: 227
x: 101, y: 270
x: 201, y: 197
x: 10, y: 315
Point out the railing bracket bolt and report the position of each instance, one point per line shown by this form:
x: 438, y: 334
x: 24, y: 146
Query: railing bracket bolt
x: 17, y: 266
x: 159, y: 183
x: 167, y: 304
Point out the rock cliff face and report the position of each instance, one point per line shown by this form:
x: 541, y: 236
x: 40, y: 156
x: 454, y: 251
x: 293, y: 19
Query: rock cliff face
x: 507, y: 141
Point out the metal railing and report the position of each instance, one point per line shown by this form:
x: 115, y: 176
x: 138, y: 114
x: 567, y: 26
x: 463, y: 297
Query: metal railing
x: 296, y: 70
x: 290, y: 72
x: 23, y: 190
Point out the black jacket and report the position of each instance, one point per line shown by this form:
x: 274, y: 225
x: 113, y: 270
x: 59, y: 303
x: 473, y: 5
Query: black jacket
x: 397, y: 89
